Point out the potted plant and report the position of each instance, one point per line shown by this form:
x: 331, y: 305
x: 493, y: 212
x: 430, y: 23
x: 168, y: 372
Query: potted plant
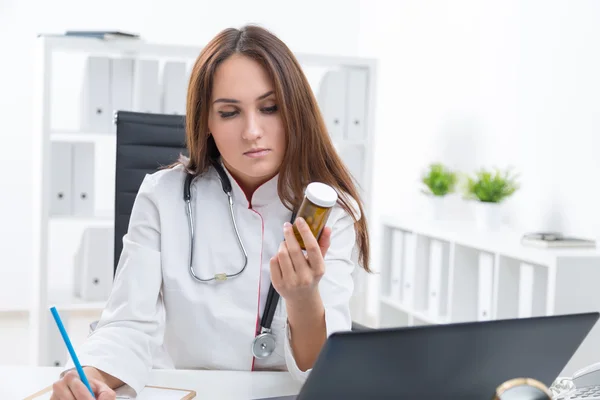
x: 439, y: 181
x: 489, y: 188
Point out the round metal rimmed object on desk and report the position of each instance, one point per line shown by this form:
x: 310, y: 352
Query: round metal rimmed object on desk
x: 263, y: 345
x: 522, y: 389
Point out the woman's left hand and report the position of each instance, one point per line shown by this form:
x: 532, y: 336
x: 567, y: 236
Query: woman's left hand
x: 295, y: 275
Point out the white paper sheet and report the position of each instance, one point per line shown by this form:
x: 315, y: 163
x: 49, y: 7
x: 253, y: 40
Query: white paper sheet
x: 152, y: 393
x: 149, y: 393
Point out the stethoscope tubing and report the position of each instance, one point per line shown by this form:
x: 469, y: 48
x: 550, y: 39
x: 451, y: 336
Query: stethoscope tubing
x: 264, y: 342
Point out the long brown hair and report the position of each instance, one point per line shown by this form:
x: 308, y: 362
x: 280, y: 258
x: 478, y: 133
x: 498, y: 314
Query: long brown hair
x: 310, y: 155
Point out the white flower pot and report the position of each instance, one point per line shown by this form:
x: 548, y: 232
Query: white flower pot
x: 488, y: 216
x: 437, y: 207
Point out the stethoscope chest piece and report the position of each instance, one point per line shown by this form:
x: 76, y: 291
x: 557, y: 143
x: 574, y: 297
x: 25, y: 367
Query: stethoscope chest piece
x: 263, y: 345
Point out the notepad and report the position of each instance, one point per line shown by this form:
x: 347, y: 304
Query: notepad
x: 158, y: 393
x: 148, y: 393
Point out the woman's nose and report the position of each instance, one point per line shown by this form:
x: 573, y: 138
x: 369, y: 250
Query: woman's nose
x: 253, y: 129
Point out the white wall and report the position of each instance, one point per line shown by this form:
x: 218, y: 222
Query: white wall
x: 478, y: 83
x: 475, y: 83
x: 308, y: 28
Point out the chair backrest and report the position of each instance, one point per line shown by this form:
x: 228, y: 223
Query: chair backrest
x: 145, y: 143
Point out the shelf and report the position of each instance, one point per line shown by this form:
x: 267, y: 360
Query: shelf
x: 98, y: 220
x: 391, y: 317
x: 118, y: 47
x: 13, y: 298
x: 82, y: 137
x: 505, y: 242
x: 65, y: 300
x: 522, y: 289
x: 143, y: 49
x: 70, y: 143
x: 13, y: 308
x: 337, y: 143
x: 488, y: 276
x: 423, y: 316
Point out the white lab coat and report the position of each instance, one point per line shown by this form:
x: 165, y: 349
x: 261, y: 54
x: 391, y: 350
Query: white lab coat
x: 158, y: 316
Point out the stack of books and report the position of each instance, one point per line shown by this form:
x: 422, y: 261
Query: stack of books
x: 103, y: 34
x: 555, y: 240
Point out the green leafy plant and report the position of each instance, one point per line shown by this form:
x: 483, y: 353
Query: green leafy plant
x: 491, y: 186
x: 439, y: 180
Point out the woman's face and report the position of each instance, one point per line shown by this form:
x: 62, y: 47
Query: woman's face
x: 245, y: 121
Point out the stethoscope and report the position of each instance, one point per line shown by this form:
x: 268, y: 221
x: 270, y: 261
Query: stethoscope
x: 264, y: 342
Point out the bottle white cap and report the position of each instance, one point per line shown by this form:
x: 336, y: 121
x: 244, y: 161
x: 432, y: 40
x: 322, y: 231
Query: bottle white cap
x: 321, y: 194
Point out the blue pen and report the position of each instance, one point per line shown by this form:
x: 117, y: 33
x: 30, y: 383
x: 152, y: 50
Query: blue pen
x: 65, y: 337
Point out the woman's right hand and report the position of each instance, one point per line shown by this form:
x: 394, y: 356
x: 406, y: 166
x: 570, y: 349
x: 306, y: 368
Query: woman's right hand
x: 70, y: 387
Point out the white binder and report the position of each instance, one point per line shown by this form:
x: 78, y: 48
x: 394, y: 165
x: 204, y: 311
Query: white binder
x: 435, y: 277
x: 189, y: 68
x: 96, y: 115
x: 93, y: 275
x: 174, y: 88
x: 408, y: 270
x: 314, y: 75
x: 485, y: 286
x: 526, y: 282
x: 396, y: 265
x: 146, y: 86
x: 354, y: 158
x: 121, y: 84
x: 60, y: 178
x: 332, y: 102
x: 83, y: 179
x: 357, y: 100
x: 57, y: 351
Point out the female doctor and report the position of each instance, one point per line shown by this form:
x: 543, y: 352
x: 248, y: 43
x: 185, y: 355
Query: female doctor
x: 252, y: 115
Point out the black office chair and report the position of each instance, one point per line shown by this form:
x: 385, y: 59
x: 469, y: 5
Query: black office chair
x: 145, y: 143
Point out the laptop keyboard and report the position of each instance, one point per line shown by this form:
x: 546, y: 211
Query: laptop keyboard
x: 587, y: 393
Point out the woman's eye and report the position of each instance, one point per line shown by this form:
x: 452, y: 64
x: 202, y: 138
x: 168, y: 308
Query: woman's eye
x: 227, y: 114
x: 270, y: 110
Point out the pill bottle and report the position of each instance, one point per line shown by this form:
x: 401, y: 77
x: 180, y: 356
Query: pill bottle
x: 316, y: 206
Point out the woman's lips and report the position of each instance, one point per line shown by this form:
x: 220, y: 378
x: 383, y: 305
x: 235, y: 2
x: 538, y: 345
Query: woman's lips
x: 257, y: 153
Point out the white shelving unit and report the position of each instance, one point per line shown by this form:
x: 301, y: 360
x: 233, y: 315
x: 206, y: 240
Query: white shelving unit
x: 436, y: 272
x: 79, y: 137
x: 344, y: 86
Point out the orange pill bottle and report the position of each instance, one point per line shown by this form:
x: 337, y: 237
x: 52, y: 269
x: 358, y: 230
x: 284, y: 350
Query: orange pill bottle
x: 316, y: 207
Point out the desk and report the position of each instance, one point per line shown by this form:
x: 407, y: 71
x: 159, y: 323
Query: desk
x: 17, y: 382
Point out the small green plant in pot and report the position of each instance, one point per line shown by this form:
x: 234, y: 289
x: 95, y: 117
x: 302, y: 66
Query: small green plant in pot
x: 490, y: 188
x: 439, y: 180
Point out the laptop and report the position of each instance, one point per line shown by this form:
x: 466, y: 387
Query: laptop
x: 464, y: 361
